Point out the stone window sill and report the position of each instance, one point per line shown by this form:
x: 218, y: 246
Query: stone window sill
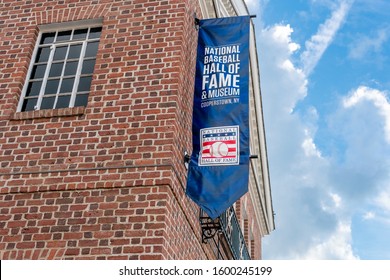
x: 64, y: 112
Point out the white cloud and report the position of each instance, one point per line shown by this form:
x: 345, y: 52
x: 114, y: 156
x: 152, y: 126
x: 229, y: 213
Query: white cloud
x: 318, y: 43
x: 298, y: 172
x: 369, y: 215
x: 282, y: 34
x: 276, y: 50
x: 378, y: 98
x: 318, y: 194
x: 383, y: 200
x: 333, y: 203
x: 336, y: 247
x: 336, y: 200
x: 311, y: 204
x: 364, y: 45
x: 310, y: 148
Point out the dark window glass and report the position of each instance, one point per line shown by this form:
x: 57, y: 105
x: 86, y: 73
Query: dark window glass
x: 63, y: 101
x: 84, y: 84
x: 48, y: 102
x: 80, y: 34
x: 81, y: 100
x: 71, y: 68
x: 67, y: 85
x: 60, y: 53
x: 38, y: 71
x: 56, y: 69
x: 29, y: 104
x: 63, y: 69
x: 95, y: 33
x: 74, y: 51
x: 43, y: 54
x: 48, y: 38
x: 52, y: 86
x: 91, y: 49
x: 33, y: 88
x: 64, y: 35
x: 88, y: 66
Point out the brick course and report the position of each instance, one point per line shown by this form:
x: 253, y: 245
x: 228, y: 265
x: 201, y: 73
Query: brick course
x: 105, y: 181
x: 118, y: 223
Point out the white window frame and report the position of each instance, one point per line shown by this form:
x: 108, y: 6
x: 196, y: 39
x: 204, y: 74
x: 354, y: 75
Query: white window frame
x: 58, y: 27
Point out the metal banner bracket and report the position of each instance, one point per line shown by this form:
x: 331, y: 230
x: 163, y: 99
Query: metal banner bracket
x: 209, y: 226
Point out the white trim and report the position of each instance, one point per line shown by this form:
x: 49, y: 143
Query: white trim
x: 203, y: 9
x: 79, y: 24
x: 221, y: 9
x: 45, y: 77
x: 267, y: 204
x: 78, y: 75
x: 240, y: 8
x: 85, y: 24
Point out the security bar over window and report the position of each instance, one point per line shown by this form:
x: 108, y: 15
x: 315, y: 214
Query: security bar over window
x: 62, y: 70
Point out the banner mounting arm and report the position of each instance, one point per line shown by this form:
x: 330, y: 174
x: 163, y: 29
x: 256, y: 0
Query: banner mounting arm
x: 197, y: 20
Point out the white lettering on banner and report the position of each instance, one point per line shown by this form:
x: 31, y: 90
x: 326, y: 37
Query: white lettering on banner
x: 219, y: 102
x: 222, y: 59
x: 222, y: 50
x: 221, y: 78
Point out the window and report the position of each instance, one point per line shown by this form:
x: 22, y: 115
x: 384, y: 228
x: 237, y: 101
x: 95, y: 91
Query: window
x: 61, y: 70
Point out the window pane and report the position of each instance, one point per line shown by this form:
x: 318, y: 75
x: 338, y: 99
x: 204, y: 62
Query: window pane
x: 85, y: 84
x: 80, y: 34
x: 38, y: 71
x: 52, y: 86
x: 60, y: 53
x: 71, y: 68
x: 63, y: 67
x: 29, y: 104
x: 48, y: 38
x: 56, y: 69
x: 48, y: 102
x: 81, y: 100
x: 63, y: 101
x: 88, y: 66
x: 95, y: 33
x: 91, y: 49
x: 67, y: 85
x: 64, y: 35
x: 74, y: 51
x: 33, y: 88
x: 43, y: 54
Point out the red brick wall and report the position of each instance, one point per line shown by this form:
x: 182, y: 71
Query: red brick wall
x: 251, y: 228
x: 105, y: 181
x: 118, y: 223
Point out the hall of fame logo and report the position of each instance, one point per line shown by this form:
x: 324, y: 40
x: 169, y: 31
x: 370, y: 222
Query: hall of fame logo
x: 220, y: 146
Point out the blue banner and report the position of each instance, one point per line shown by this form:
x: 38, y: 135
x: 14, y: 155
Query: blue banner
x: 219, y: 166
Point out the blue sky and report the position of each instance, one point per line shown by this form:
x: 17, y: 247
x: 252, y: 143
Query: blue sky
x: 325, y: 85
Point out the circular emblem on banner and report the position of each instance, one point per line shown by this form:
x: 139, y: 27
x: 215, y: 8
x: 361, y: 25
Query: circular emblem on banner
x: 219, y: 149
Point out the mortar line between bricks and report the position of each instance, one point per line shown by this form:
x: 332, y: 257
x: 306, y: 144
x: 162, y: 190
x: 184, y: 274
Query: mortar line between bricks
x: 194, y: 231
x: 114, y: 167
x: 125, y: 167
x: 85, y: 169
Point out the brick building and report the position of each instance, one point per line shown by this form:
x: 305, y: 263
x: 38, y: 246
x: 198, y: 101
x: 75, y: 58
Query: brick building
x: 95, y: 117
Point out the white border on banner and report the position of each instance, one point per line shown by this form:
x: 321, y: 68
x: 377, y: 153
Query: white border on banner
x: 210, y: 270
